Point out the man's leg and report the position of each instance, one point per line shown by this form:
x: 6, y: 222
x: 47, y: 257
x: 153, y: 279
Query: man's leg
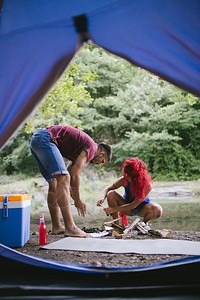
x: 57, y: 227
x: 64, y: 202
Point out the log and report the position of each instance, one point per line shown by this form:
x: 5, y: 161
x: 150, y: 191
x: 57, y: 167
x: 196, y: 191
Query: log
x: 111, y: 221
x: 131, y: 226
x: 144, y: 231
x: 165, y: 233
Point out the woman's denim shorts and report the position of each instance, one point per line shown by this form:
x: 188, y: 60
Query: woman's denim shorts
x: 136, y: 211
x: 47, y: 155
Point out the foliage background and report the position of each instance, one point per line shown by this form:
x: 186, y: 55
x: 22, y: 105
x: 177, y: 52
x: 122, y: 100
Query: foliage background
x: 137, y: 113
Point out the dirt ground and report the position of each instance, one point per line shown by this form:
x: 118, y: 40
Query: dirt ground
x: 103, y: 259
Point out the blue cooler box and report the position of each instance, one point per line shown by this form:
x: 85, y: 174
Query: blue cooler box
x: 14, y: 219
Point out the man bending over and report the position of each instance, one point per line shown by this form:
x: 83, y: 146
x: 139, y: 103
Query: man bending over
x: 48, y: 147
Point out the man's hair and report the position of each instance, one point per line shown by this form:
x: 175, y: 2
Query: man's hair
x: 106, y: 149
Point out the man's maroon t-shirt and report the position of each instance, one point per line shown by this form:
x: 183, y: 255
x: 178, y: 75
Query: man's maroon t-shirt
x: 71, y: 142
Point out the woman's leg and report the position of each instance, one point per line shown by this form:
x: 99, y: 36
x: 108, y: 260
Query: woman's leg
x: 114, y: 199
x: 151, y: 211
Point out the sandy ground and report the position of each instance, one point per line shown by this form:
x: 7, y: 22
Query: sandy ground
x: 103, y: 259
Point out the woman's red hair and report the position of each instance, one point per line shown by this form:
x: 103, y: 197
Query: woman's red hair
x: 140, y: 179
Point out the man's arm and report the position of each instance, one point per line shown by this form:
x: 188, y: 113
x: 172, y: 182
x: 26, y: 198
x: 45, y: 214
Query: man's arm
x: 74, y: 170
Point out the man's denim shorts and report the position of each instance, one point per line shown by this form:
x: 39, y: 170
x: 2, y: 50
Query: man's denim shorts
x: 47, y: 155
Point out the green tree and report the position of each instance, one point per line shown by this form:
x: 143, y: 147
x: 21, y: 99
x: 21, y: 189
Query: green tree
x: 138, y: 113
x: 62, y: 104
x: 16, y: 156
x: 164, y: 133
x: 142, y: 116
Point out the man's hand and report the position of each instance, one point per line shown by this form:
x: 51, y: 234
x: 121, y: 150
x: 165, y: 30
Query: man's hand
x: 81, y: 208
x: 100, y: 202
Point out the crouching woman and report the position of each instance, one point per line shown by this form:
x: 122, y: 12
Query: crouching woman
x: 137, y: 184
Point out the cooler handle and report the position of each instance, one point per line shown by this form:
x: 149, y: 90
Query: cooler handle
x: 5, y: 206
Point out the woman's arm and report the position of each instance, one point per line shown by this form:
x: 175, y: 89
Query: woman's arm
x: 122, y: 208
x: 115, y: 185
x: 127, y: 207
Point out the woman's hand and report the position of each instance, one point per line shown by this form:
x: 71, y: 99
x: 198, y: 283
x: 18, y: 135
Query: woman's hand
x: 100, y: 202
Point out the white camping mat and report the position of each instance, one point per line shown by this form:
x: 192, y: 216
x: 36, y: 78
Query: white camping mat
x: 147, y: 246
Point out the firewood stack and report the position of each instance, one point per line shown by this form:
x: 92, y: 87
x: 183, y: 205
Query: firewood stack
x: 119, y: 231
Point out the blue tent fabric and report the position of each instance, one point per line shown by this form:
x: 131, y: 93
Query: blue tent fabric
x: 46, y: 275
x: 161, y: 36
x: 38, y: 39
x: 14, y: 255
